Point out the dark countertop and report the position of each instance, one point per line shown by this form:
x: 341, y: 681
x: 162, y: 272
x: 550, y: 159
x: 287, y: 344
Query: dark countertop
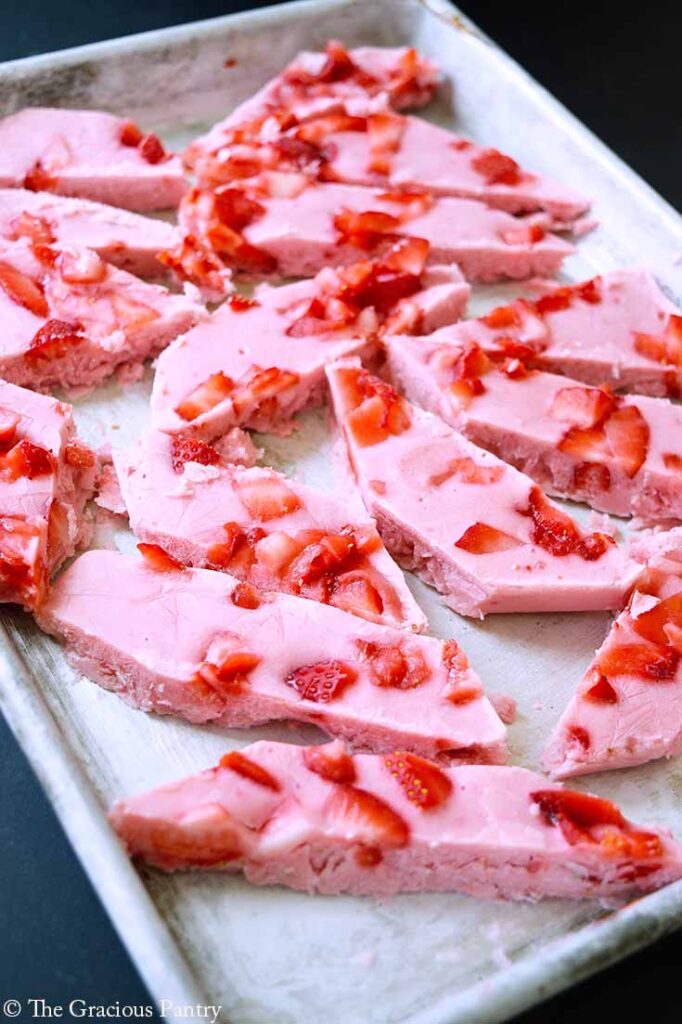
x: 618, y: 70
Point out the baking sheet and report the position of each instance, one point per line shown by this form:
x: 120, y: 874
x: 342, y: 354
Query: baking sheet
x: 271, y: 956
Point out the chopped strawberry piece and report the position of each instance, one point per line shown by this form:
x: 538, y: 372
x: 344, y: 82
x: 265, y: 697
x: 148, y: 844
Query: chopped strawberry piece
x: 454, y: 658
x: 356, y: 594
x: 356, y: 809
x: 466, y: 471
x: 39, y: 180
x: 84, y: 267
x: 238, y: 552
x: 28, y: 460
x: 583, y: 818
x: 654, y: 624
x: 37, y: 229
x: 576, y: 734
x: 267, y: 498
x: 582, y: 407
x: 627, y: 434
x: 130, y: 134
x: 380, y: 411
x: 459, y: 695
x: 158, y: 559
x: 23, y: 290
x: 54, y: 340
x: 658, y: 664
x: 665, y: 347
x: 23, y: 575
x: 131, y: 314
x: 206, y: 396
x: 385, y: 131
x: 497, y: 168
x: 79, y: 456
x: 367, y: 229
x: 423, y: 783
x: 395, y: 666
x: 9, y: 421
x: 555, y: 532
x: 240, y: 304
x: 408, y: 255
x: 322, y: 682
x: 151, y: 149
x: 331, y: 762
x: 672, y: 461
x: 190, y: 449
x: 248, y: 769
x: 337, y: 67
x: 245, y: 595
x: 481, y: 539
x: 600, y: 690
x: 527, y: 234
x: 235, y: 209
x: 591, y: 478
x: 302, y: 154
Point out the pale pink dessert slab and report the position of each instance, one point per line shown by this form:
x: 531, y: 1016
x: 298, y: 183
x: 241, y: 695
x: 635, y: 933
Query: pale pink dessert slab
x: 618, y: 330
x: 47, y: 475
x: 479, y: 531
x: 209, y: 648
x: 322, y: 821
x: 388, y: 150
x: 70, y: 319
x: 89, y: 154
x: 362, y: 79
x: 128, y: 240
x: 627, y: 709
x: 619, y: 455
x: 275, y: 533
x: 285, y: 224
x: 255, y: 363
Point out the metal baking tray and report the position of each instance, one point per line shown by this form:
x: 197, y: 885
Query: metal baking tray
x: 270, y: 956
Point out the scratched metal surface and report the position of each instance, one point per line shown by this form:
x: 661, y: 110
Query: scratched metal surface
x: 272, y: 956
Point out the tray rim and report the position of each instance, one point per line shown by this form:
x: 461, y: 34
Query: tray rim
x: 146, y: 936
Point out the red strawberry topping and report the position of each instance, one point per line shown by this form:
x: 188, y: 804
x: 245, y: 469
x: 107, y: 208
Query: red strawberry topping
x: 267, y: 497
x: 322, y: 682
x: 331, y: 762
x: 395, y: 666
x: 582, y: 407
x: 130, y: 134
x: 237, y: 762
x: 599, y: 690
x: 657, y: 664
x: 23, y: 290
x: 356, y: 810
x: 54, y: 340
x: 28, y: 460
x: 245, y: 595
x: 466, y: 471
x: 497, y: 168
x: 583, y: 818
x: 158, y: 559
x: 556, y: 532
x: 481, y: 539
x: 190, y: 449
x: 151, y: 149
x: 206, y: 396
x: 423, y: 783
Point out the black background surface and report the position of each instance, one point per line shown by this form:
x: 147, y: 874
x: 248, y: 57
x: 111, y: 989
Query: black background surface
x: 619, y: 71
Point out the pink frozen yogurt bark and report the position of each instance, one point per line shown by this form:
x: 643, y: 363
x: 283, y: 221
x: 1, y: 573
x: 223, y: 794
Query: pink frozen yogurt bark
x: 89, y: 154
x: 619, y: 455
x: 479, y: 531
x: 628, y: 707
x: 46, y: 477
x: 128, y: 240
x: 322, y: 821
x: 70, y: 319
x: 285, y: 224
x: 618, y: 330
x: 388, y: 150
x: 209, y: 648
x: 362, y: 79
x: 256, y: 362
x: 274, y: 533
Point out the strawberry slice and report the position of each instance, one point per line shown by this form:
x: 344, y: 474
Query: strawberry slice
x: 380, y: 411
x: 23, y: 574
x: 591, y: 478
x: 240, y: 303
x: 454, y: 658
x: 555, y: 532
x: 497, y: 168
x: 654, y: 624
x: 158, y: 559
x: 385, y: 132
x: 583, y: 818
x: 395, y: 666
x: 322, y: 682
x: 235, y: 209
x: 422, y: 782
x: 190, y: 449
x: 39, y: 179
x: 36, y: 229
x: 653, y: 663
x: 267, y: 498
x: 627, y: 434
x: 367, y: 229
x: 355, y: 593
x: 23, y: 290
x: 331, y: 762
x: 466, y: 471
x: 366, y: 818
x: 206, y: 396
x: 663, y: 348
x: 130, y: 313
x: 151, y: 149
x: 84, y: 267
x: 9, y: 421
x: 248, y: 769
x: 581, y: 407
x: 79, y: 456
x: 54, y: 340
x: 28, y: 460
x: 481, y: 539
x: 600, y: 690
x: 228, y: 662
x: 245, y: 595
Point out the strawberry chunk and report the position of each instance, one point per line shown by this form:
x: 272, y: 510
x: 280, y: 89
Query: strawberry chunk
x: 36, y: 229
x: 190, y: 449
x: 556, y: 532
x: 454, y: 658
x: 365, y: 230
x: 654, y: 663
x: 38, y: 179
x: 395, y: 666
x: 583, y: 818
x: 240, y: 304
x: 385, y: 131
x: 599, y: 690
x: 654, y: 624
x: 267, y: 498
x: 151, y: 149
x: 206, y: 396
x: 235, y: 209
x: 365, y: 816
x: 54, y: 340
x: 79, y: 456
x: 248, y: 769
x: 331, y: 761
x: 322, y: 682
x: 130, y: 134
x: 380, y: 410
x: 466, y: 471
x: 591, y: 478
x: 356, y: 594
x: 672, y: 461
x: 23, y: 290
x: 245, y: 595
x: 481, y: 539
x: 423, y: 783
x: 627, y: 434
x: 85, y: 267
x: 497, y: 168
x: 158, y: 559
x: 28, y: 460
x: 9, y: 421
x: 582, y: 407
x: 23, y: 574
